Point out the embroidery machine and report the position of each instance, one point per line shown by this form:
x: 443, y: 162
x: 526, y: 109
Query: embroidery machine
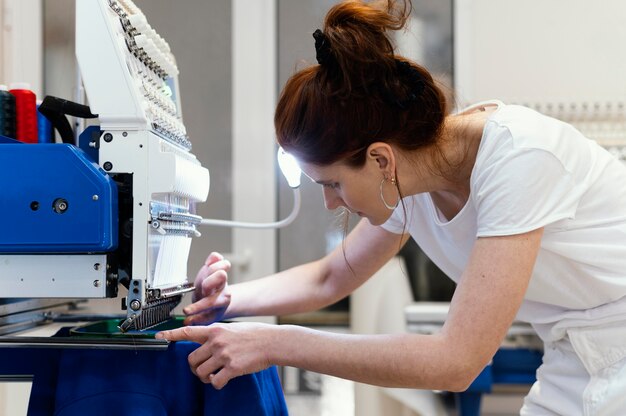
x: 118, y: 206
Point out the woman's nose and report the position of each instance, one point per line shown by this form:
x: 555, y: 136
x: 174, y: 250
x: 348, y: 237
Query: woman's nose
x: 331, y: 199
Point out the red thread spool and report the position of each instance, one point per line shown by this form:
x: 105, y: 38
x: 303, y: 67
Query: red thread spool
x: 25, y: 112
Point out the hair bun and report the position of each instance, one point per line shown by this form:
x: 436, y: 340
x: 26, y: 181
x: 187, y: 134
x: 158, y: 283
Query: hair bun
x: 355, y: 47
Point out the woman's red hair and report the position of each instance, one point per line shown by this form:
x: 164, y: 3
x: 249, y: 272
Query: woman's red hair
x: 333, y: 112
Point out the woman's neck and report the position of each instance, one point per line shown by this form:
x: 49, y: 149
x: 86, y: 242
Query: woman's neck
x: 446, y: 168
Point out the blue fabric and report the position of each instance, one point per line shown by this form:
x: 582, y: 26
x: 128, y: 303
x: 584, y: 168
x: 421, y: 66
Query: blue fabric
x: 72, y: 382
x: 508, y: 366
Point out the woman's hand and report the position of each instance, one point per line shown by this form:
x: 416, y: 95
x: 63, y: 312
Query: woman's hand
x: 227, y: 350
x: 211, y: 295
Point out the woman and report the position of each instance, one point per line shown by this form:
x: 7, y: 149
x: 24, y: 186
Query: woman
x: 522, y: 211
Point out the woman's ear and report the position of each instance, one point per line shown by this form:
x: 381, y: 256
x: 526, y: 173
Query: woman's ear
x: 382, y: 154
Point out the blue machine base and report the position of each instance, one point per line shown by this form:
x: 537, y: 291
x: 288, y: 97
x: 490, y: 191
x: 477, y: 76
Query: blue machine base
x: 57, y: 200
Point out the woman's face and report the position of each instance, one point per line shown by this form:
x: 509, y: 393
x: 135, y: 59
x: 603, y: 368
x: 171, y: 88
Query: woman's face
x: 356, y: 189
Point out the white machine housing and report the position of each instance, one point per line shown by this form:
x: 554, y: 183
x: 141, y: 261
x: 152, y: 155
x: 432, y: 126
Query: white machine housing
x: 131, y: 81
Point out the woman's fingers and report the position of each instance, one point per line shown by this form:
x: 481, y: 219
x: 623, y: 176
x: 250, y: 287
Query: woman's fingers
x: 207, y: 368
x: 200, y: 355
x: 187, y: 333
x: 221, y: 378
x: 215, y: 261
x: 214, y: 283
x: 205, y: 282
x: 213, y: 257
x: 213, y: 295
x: 200, y: 306
x: 207, y: 270
x: 205, y: 318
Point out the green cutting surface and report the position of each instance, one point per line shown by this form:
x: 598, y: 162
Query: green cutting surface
x: 109, y: 328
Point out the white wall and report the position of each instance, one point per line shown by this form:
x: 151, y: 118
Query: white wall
x: 21, y: 43
x: 254, y: 152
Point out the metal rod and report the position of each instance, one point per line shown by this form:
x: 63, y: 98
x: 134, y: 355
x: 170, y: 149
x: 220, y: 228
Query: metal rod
x: 84, y: 343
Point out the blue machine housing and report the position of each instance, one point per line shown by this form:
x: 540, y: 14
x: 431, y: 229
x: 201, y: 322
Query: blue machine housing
x: 56, y: 200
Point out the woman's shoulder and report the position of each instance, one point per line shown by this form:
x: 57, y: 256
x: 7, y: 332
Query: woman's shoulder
x: 514, y: 129
x: 529, y: 127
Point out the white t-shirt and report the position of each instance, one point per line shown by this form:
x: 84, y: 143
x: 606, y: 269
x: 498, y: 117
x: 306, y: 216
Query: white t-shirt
x: 534, y: 171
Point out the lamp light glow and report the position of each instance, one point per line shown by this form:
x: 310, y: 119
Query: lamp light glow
x: 289, y: 167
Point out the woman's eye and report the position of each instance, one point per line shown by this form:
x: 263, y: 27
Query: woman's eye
x: 333, y: 185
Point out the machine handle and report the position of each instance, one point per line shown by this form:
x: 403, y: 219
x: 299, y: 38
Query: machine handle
x: 56, y: 109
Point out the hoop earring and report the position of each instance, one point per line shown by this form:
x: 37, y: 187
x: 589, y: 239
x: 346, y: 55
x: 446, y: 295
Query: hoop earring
x: 382, y: 197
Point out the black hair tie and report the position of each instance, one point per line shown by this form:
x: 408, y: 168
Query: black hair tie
x: 322, y: 47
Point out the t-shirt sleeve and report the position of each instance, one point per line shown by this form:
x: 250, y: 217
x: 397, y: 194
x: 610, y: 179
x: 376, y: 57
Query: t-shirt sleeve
x: 528, y: 189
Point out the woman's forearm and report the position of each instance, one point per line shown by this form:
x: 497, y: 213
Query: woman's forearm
x: 300, y: 289
x: 403, y: 360
x: 319, y: 283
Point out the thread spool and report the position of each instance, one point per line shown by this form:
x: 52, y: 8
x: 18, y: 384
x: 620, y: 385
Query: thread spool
x: 7, y: 112
x: 26, y: 112
x: 44, y: 127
